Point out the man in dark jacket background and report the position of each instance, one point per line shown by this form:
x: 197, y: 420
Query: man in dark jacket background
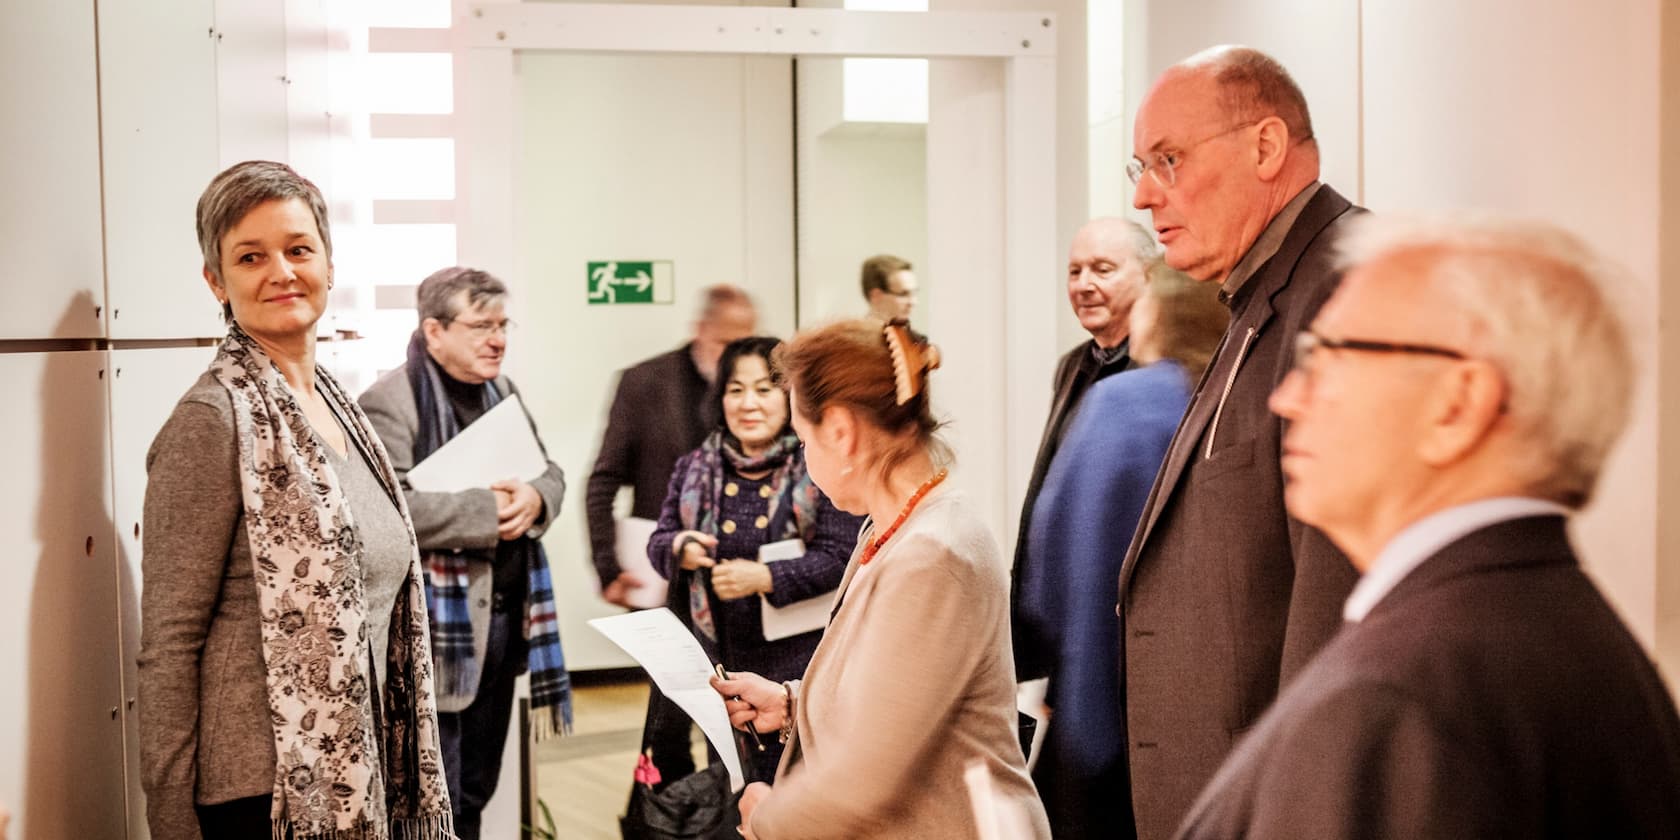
x: 658, y: 415
x: 1104, y: 275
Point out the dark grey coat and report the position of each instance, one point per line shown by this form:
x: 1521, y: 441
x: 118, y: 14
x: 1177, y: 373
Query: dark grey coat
x: 1492, y: 693
x: 1225, y: 596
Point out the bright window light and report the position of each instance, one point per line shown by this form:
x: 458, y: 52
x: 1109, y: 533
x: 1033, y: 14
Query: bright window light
x: 394, y: 255
x: 408, y: 83
x: 886, y: 5
x: 410, y: 168
x: 885, y: 90
x: 419, y: 14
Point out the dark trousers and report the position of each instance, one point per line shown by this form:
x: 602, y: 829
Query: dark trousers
x: 473, y: 738
x: 1082, y: 806
x: 237, y: 819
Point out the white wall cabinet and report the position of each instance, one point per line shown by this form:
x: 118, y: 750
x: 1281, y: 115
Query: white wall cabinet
x: 49, y: 162
x: 61, y: 696
x: 158, y: 105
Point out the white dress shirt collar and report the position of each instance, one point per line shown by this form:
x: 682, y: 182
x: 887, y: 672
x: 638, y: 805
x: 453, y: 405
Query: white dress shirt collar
x: 1420, y: 540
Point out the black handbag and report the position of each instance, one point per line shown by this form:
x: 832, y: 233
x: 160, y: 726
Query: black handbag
x: 698, y: 806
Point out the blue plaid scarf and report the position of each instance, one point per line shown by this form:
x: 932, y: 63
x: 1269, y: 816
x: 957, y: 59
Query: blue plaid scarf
x: 456, y: 670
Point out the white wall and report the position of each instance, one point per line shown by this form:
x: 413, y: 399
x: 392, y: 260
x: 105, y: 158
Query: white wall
x: 1450, y: 123
x: 636, y: 157
x: 862, y: 191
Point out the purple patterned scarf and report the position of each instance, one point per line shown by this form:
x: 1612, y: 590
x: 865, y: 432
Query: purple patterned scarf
x: 701, y: 495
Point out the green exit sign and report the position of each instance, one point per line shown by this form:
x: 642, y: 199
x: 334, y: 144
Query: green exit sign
x: 629, y: 281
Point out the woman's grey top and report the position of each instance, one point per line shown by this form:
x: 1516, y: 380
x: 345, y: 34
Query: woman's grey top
x: 205, y: 731
x: 386, y: 551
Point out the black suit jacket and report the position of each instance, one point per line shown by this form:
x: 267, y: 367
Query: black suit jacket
x: 1492, y: 693
x: 1224, y: 595
x: 658, y: 415
x: 1077, y: 371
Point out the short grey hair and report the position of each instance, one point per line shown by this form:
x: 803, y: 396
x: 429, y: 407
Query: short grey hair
x: 439, y: 294
x: 713, y: 300
x: 236, y: 191
x: 1253, y: 86
x: 1141, y: 242
x: 1538, y: 303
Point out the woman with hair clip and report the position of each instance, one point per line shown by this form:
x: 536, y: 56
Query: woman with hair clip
x: 913, y: 682
x: 744, y: 489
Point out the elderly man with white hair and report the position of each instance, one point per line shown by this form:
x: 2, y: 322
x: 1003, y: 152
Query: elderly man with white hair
x: 1450, y: 408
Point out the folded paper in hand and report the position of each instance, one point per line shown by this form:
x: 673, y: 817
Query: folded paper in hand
x: 799, y: 616
x: 497, y: 447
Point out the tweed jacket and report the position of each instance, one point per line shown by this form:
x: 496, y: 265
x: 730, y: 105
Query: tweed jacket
x: 913, y: 681
x: 658, y: 415
x: 1077, y: 371
x: 463, y: 521
x: 1224, y: 596
x: 1491, y: 693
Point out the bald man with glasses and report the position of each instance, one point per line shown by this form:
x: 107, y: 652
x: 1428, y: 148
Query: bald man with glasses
x: 1223, y: 597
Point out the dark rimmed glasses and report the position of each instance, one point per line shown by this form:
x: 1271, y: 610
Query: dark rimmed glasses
x: 1307, y: 342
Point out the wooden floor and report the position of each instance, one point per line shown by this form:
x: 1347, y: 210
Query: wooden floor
x: 585, y: 778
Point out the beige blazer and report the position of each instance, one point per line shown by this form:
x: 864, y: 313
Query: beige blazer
x: 914, y: 680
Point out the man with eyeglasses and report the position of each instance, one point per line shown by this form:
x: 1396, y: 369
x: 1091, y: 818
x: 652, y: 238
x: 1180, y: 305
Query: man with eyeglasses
x: 1223, y: 597
x: 1450, y: 408
x: 490, y: 596
x: 889, y: 286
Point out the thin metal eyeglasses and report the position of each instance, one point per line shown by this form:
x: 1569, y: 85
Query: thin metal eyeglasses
x: 485, y: 329
x: 1307, y: 341
x: 1162, y: 167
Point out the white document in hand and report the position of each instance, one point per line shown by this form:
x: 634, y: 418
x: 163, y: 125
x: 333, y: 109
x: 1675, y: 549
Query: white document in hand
x: 674, y: 661
x: 631, y: 546
x: 497, y: 447
x: 799, y: 616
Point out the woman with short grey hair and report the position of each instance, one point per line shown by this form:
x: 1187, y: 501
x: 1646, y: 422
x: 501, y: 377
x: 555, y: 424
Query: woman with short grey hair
x: 285, y: 665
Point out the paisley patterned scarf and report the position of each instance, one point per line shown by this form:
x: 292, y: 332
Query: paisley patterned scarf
x: 348, y: 767
x: 701, y: 496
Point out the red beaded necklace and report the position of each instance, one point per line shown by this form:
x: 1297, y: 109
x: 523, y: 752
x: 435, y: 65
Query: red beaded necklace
x: 874, y: 546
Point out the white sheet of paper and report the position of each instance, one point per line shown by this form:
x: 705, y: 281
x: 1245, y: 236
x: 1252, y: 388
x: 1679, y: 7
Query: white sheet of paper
x: 631, y: 545
x: 498, y: 446
x: 799, y: 616
x: 672, y: 657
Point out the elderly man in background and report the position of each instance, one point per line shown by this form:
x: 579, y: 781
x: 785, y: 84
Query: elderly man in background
x: 1223, y: 596
x: 889, y: 286
x: 1104, y: 275
x: 490, y: 595
x: 1449, y: 410
x: 658, y: 415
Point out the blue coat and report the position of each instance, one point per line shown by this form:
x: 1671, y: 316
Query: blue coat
x: 1081, y: 525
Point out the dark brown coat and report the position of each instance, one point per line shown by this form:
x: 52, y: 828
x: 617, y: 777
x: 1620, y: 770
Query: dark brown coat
x: 657, y: 416
x: 1492, y: 693
x: 1224, y: 595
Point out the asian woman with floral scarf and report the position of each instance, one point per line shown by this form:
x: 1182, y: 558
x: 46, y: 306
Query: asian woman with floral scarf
x: 744, y: 488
